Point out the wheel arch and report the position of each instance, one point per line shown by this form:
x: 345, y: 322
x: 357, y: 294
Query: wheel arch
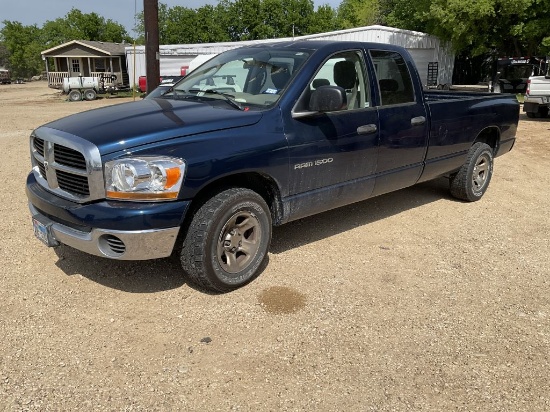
x: 260, y: 183
x: 490, y: 136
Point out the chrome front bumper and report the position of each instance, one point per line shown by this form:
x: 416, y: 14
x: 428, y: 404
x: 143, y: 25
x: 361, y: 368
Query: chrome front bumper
x: 113, y: 244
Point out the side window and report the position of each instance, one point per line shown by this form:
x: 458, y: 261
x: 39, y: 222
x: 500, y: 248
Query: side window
x: 393, y: 76
x: 347, y: 70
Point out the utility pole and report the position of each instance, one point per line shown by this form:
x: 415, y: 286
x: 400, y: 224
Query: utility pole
x: 151, y: 23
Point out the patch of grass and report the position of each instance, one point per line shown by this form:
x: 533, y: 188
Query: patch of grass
x: 520, y: 97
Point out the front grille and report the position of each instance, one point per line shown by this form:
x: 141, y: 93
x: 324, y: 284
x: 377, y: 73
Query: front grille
x: 73, y: 183
x: 39, y: 146
x: 67, y: 165
x: 42, y: 170
x: 68, y: 157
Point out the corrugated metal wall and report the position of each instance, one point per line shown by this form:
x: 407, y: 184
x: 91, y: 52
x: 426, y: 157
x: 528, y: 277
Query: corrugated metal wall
x: 423, y: 48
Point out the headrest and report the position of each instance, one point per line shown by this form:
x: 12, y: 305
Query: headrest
x: 280, y: 76
x: 388, y: 85
x: 320, y: 82
x: 344, y: 74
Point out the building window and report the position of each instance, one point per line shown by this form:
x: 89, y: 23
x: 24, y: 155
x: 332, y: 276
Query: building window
x: 75, y: 65
x: 99, y: 65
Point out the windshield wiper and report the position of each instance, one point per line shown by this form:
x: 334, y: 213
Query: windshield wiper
x: 228, y: 98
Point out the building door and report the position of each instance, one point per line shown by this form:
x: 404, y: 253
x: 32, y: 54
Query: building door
x: 75, y: 67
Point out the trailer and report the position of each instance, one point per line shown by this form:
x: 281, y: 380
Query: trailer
x: 5, y: 76
x: 87, y: 88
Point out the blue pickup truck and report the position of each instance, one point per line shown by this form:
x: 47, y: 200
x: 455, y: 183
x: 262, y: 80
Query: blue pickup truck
x: 256, y: 137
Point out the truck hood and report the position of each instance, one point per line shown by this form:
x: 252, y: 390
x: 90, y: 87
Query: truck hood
x: 128, y: 125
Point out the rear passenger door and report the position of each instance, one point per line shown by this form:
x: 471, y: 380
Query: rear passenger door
x: 403, y: 122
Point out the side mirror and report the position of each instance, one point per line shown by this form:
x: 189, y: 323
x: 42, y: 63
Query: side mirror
x: 327, y: 99
x: 324, y: 99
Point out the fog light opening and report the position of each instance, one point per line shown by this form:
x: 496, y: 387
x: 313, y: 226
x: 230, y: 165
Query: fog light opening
x: 111, y: 246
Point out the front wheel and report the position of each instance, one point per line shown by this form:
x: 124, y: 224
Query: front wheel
x: 227, y: 240
x: 75, y: 96
x: 472, y: 179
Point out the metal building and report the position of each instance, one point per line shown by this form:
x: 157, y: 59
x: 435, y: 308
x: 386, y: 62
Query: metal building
x: 434, y: 59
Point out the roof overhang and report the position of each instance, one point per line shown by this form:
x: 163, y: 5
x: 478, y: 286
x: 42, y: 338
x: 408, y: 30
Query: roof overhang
x: 72, y: 42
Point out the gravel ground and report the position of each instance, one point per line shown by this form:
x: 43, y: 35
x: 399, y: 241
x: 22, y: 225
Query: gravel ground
x: 411, y: 301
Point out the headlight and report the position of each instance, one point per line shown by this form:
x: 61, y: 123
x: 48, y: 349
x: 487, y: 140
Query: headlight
x: 144, y: 178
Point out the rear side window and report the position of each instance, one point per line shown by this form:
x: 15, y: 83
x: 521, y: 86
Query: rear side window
x: 393, y: 76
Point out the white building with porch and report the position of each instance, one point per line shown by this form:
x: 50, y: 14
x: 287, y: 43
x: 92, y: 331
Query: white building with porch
x: 86, y: 58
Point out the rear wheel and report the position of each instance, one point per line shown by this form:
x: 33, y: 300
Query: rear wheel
x: 90, y: 94
x: 531, y: 115
x: 227, y: 240
x: 75, y: 96
x: 472, y: 180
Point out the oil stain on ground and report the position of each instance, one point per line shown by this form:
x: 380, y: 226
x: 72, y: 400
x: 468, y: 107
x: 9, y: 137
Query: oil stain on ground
x: 281, y: 300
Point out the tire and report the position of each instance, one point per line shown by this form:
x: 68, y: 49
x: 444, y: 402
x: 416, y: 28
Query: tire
x: 90, y: 94
x: 531, y: 115
x: 472, y: 179
x: 543, y: 111
x: 75, y: 96
x: 227, y: 240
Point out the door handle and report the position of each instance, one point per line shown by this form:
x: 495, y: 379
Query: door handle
x: 417, y: 121
x: 367, y: 129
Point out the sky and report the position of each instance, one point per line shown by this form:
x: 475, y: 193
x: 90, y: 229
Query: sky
x: 29, y: 12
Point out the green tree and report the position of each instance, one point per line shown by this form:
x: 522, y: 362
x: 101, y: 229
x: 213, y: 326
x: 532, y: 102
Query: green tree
x: 242, y: 19
x: 237, y: 20
x: 23, y: 45
x: 325, y: 19
x: 358, y: 13
x: 4, y: 56
x: 80, y: 26
x: 511, y: 27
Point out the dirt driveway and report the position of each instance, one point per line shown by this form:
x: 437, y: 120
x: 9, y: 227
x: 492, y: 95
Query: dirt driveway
x: 410, y: 301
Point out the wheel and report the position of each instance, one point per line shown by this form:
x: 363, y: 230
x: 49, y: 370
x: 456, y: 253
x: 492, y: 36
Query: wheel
x: 472, y: 179
x: 90, y: 94
x: 531, y: 115
x: 543, y: 111
x: 75, y: 96
x: 227, y: 240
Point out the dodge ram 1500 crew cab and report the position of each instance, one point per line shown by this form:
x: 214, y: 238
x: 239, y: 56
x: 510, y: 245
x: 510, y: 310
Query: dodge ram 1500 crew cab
x: 256, y: 137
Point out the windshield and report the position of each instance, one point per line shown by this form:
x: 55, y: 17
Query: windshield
x: 244, y: 78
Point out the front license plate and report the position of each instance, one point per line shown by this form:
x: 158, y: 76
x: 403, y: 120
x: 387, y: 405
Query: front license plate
x: 42, y: 233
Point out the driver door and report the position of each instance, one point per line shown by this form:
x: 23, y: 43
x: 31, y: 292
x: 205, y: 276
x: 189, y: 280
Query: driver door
x: 333, y: 154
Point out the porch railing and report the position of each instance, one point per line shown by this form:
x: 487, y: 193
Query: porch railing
x: 55, y: 79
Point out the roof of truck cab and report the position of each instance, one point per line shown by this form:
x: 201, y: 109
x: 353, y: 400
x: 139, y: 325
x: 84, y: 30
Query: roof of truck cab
x: 324, y: 44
